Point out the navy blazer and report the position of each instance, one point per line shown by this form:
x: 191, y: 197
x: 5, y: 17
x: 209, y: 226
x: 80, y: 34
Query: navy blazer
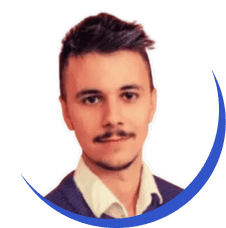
x: 68, y: 196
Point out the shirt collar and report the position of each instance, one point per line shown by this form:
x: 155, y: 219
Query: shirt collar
x: 99, y: 197
x: 147, y: 187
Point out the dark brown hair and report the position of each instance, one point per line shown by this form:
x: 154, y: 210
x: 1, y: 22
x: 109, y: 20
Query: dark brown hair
x: 103, y: 33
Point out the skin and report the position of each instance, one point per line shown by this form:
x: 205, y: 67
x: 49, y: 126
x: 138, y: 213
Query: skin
x: 106, y: 93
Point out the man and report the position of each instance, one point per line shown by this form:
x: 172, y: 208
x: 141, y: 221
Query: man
x: 108, y: 99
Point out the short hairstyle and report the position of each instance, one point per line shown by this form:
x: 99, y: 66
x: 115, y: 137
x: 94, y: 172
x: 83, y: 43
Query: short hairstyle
x: 103, y: 33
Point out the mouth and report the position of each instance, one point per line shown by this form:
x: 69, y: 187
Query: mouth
x: 113, y: 137
x: 114, y: 140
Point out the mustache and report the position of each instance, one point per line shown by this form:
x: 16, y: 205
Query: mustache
x: 109, y: 134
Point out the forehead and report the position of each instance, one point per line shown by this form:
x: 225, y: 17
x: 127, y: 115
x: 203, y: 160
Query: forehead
x: 106, y: 72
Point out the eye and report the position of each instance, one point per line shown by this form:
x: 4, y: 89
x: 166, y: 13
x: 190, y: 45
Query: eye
x: 130, y: 96
x: 91, y: 100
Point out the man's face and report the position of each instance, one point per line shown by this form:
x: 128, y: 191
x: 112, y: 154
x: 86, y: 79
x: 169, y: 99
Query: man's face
x: 109, y: 105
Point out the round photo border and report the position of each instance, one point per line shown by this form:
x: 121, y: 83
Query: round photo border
x: 185, y: 196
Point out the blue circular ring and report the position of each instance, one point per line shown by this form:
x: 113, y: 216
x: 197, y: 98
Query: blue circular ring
x: 193, y: 188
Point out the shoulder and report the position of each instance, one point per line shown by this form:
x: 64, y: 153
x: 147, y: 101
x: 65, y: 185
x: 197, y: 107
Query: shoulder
x: 167, y: 189
x: 67, y: 196
x: 58, y: 195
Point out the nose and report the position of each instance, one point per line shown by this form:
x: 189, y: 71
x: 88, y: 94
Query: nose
x: 112, y: 114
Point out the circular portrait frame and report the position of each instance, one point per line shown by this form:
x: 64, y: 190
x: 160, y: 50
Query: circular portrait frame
x: 187, y: 195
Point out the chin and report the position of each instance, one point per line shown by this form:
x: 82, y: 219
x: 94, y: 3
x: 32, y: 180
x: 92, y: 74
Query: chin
x: 118, y: 164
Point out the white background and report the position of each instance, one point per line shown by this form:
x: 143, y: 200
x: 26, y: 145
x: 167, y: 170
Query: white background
x: 190, y: 42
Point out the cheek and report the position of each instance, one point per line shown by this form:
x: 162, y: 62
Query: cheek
x: 139, y: 117
x: 84, y: 122
x: 139, y: 120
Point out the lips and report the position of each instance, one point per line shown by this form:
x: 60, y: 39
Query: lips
x: 114, y: 140
x: 115, y: 136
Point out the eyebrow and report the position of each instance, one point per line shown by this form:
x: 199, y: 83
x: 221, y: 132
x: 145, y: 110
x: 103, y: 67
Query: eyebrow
x: 132, y: 86
x: 87, y: 92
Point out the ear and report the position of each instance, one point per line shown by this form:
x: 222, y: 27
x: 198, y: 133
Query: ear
x: 153, y: 104
x: 66, y: 115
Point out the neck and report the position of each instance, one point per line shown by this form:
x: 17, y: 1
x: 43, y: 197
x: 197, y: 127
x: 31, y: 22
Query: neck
x: 124, y: 184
